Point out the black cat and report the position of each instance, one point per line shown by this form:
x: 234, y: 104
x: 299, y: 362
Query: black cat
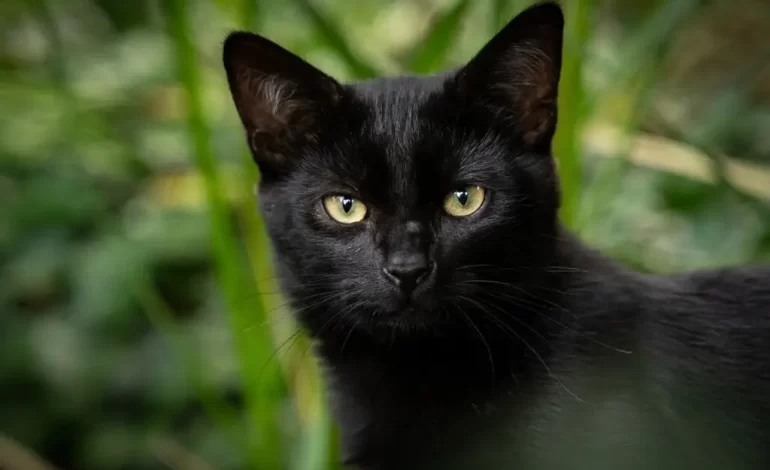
x: 414, y: 226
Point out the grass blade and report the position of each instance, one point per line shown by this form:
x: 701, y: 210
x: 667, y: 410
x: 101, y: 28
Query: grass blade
x: 499, y: 14
x: 633, y: 82
x: 248, y: 14
x: 162, y: 319
x: 434, y: 48
x: 318, y: 451
x: 245, y: 12
x: 571, y: 108
x: 252, y: 345
x: 336, y: 40
x: 650, y: 42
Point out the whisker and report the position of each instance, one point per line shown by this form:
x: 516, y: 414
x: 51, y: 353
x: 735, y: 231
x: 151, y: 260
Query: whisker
x: 352, y: 328
x: 548, y: 369
x: 579, y: 333
x: 340, y: 313
x: 547, y: 268
x: 514, y: 317
x: 523, y: 303
x: 540, y: 358
x: 523, y: 291
x: 483, y: 340
x: 324, y: 296
x: 292, y: 338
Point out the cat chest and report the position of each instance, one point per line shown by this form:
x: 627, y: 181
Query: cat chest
x: 554, y: 430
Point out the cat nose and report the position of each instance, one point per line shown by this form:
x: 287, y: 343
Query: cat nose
x: 407, y: 270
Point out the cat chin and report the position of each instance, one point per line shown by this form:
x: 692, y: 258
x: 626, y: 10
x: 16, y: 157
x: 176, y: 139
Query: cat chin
x: 384, y: 328
x: 411, y: 318
x: 379, y: 318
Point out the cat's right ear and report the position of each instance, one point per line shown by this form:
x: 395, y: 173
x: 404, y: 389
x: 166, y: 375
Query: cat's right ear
x: 283, y: 101
x: 516, y: 74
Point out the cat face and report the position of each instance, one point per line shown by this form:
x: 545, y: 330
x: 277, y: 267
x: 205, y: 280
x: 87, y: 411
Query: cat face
x: 396, y: 202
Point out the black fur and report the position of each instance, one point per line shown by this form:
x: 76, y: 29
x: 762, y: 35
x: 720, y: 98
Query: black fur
x: 523, y: 348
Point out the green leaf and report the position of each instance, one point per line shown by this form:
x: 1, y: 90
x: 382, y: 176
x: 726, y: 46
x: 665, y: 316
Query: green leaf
x: 253, y: 345
x: 437, y: 43
x: 107, y: 266
x: 124, y: 15
x: 335, y: 40
x: 190, y: 358
x: 572, y: 112
x: 317, y: 451
x: 245, y: 12
x: 499, y: 14
x: 652, y: 39
x: 62, y: 201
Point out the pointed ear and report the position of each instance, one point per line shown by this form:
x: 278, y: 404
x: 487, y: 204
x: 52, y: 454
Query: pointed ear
x: 516, y: 75
x: 283, y: 101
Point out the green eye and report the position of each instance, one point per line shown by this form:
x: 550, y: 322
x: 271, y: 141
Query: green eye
x: 344, y: 209
x: 464, y: 201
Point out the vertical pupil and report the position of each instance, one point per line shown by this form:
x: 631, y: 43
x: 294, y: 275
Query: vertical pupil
x: 347, y: 204
x: 462, y: 197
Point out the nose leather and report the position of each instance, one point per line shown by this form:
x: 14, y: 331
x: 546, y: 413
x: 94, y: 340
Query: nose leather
x: 407, y: 270
x: 407, y: 263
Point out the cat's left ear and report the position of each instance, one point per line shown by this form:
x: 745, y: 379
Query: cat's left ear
x: 283, y: 101
x: 516, y: 75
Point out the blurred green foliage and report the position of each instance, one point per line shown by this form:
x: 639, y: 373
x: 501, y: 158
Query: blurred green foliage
x: 141, y: 325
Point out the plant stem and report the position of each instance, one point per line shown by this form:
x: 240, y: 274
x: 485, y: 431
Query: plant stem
x: 252, y: 345
x: 571, y: 107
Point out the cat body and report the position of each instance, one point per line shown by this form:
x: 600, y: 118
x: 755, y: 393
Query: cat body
x: 414, y: 223
x: 637, y: 372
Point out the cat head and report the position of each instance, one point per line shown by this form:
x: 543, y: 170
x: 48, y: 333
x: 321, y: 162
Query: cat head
x: 401, y: 202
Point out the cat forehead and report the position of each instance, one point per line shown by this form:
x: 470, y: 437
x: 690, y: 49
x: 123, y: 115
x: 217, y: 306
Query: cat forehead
x: 400, y: 139
x: 410, y: 113
x: 393, y: 104
x: 398, y: 88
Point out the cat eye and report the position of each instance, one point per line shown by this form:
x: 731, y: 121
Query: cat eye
x: 344, y: 209
x: 464, y: 201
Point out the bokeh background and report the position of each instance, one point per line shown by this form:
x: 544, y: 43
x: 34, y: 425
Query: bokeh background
x: 140, y: 325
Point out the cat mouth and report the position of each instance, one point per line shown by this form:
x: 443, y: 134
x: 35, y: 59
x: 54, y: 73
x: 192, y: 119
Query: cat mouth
x: 406, y: 307
x: 410, y: 301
